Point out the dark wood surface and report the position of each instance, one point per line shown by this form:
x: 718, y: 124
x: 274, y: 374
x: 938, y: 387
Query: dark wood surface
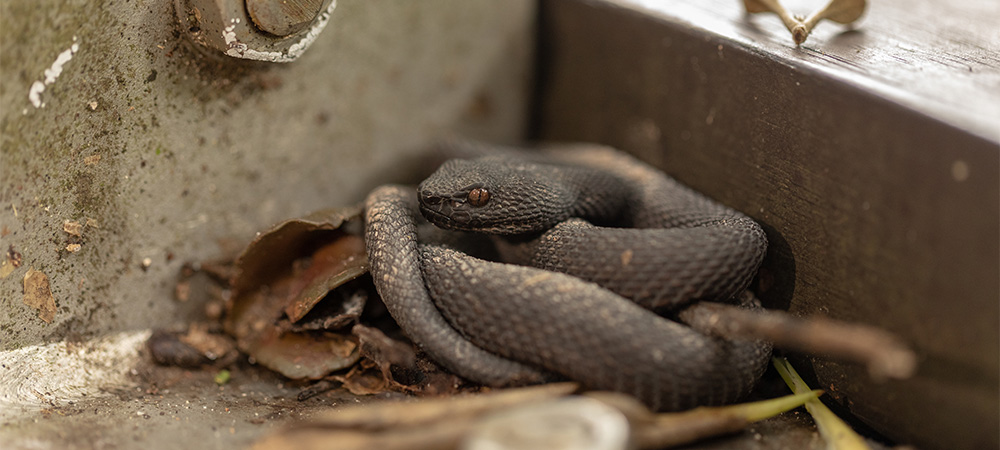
x: 870, y: 156
x: 939, y: 58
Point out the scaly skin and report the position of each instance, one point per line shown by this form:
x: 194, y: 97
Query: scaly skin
x: 680, y: 247
x: 391, y: 240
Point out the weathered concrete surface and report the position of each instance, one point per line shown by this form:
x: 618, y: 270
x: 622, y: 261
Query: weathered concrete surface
x: 173, y: 156
x: 171, y: 408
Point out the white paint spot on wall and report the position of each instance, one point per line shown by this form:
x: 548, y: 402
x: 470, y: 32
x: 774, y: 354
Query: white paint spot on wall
x: 35, y: 93
x: 51, y: 74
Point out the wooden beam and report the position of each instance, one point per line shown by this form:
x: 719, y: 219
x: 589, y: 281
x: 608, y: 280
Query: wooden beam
x: 870, y: 156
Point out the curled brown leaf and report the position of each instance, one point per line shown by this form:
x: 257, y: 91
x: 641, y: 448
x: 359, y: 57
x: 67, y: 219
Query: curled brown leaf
x: 281, y: 276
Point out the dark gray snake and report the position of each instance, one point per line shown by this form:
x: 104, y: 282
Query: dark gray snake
x: 608, y: 240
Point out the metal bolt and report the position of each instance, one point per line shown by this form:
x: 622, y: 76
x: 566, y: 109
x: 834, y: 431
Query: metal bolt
x: 283, y: 17
x: 265, y: 30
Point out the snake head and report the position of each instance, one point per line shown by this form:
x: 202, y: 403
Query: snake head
x: 493, y: 195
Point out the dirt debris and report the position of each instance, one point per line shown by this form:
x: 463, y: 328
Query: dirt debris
x: 38, y: 294
x: 73, y: 228
x: 12, y: 260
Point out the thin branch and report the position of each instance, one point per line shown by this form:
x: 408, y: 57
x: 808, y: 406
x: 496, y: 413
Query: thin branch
x: 885, y: 355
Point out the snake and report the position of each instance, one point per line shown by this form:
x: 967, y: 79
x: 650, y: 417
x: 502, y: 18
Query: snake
x: 596, y: 254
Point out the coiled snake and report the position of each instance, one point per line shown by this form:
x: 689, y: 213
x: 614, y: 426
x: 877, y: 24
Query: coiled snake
x: 600, y: 241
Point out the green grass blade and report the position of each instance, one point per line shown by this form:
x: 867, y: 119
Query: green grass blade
x: 838, y: 435
x: 760, y: 410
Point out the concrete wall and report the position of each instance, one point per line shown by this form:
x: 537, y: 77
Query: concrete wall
x: 164, y: 154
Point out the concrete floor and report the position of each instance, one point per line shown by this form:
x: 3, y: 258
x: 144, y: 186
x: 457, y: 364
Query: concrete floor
x: 169, y: 408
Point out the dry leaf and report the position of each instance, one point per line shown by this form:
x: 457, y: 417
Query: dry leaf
x: 286, y: 271
x: 270, y: 256
x: 38, y: 294
x: 341, y: 309
x: 364, y: 379
x: 401, y: 368
x: 332, y: 265
x: 393, y: 365
x: 302, y: 355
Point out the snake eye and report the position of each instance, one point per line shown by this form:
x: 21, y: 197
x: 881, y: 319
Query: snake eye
x: 479, y: 196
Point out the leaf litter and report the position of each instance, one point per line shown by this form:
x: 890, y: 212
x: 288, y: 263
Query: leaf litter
x: 298, y: 300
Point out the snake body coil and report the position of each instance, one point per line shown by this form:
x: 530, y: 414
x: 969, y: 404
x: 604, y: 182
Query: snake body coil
x: 600, y: 216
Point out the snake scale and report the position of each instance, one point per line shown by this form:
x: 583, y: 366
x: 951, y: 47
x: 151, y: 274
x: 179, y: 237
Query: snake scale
x: 599, y: 250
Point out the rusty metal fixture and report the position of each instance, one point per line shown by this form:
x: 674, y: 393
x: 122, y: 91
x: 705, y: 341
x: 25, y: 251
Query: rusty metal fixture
x: 283, y: 17
x: 263, y: 30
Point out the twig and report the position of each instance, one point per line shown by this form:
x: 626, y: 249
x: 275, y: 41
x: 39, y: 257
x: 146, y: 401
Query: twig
x: 774, y: 6
x: 665, y: 430
x: 883, y: 353
x: 840, y: 11
x: 383, y: 416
